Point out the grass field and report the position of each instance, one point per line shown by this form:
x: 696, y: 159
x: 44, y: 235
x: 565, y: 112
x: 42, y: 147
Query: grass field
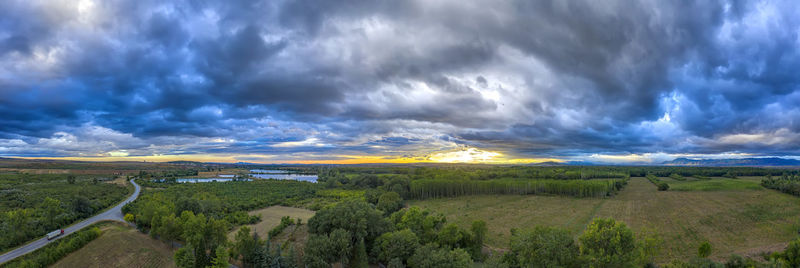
x: 120, y: 246
x: 271, y: 217
x: 731, y: 214
x: 716, y: 184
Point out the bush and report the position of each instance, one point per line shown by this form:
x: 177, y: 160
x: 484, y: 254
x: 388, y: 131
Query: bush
x: 792, y: 253
x: 285, y: 222
x: 608, y: 243
x: 704, y: 250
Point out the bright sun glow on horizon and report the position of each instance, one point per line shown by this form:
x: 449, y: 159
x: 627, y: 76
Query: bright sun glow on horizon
x: 468, y: 155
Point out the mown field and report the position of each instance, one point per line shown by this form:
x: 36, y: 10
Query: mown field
x: 120, y: 246
x: 734, y: 215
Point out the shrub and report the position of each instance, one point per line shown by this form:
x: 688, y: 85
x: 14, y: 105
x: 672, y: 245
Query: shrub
x: 285, y: 222
x: 608, y: 243
x: 704, y: 250
x: 792, y: 253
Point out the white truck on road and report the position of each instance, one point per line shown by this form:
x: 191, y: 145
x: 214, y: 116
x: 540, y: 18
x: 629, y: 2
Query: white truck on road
x: 54, y: 234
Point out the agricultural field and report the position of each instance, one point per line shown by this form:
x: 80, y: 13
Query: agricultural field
x: 120, y: 246
x: 271, y: 217
x: 732, y: 214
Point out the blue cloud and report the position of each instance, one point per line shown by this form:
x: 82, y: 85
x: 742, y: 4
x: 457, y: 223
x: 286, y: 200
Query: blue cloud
x: 544, y: 79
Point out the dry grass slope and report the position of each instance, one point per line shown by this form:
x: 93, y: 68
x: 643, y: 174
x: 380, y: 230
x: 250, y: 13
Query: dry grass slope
x: 733, y: 218
x: 120, y: 246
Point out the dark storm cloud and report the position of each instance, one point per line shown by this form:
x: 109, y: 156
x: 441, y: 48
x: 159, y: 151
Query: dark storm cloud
x: 532, y: 79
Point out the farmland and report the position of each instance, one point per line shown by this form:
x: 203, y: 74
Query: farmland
x: 732, y: 215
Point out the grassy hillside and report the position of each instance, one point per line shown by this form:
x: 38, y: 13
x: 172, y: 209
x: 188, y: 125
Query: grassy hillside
x: 120, y: 246
x: 732, y: 215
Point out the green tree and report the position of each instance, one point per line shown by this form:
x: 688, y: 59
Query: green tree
x: 52, y: 209
x: 358, y: 218
x: 431, y: 256
x: 422, y: 222
x: 478, y: 229
x: 372, y: 195
x: 220, y: 258
x: 608, y: 243
x: 245, y: 246
x: 322, y: 250
x: 82, y: 206
x: 360, y: 259
x: 792, y: 253
x: 453, y: 237
x: 184, y: 258
x: 396, y: 245
x: 543, y: 247
x: 71, y: 179
x: 704, y: 250
x: 203, y: 235
x: 390, y: 202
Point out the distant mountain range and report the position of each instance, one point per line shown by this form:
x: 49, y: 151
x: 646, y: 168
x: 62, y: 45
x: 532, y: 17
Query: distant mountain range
x: 769, y: 161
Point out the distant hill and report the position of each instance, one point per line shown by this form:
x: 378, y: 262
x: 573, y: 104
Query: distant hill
x: 769, y: 161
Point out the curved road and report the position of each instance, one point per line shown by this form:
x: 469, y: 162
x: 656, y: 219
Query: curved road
x: 114, y: 213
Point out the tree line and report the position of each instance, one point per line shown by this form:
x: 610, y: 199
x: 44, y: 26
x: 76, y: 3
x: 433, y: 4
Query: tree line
x: 436, y: 188
x: 662, y: 186
x: 786, y: 182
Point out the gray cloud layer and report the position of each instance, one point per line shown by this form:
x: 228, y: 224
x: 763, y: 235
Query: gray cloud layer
x: 531, y: 79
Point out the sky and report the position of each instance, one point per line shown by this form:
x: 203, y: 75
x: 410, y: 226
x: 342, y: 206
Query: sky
x: 350, y: 81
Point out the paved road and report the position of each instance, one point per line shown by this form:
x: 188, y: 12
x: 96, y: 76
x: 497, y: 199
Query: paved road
x: 114, y: 213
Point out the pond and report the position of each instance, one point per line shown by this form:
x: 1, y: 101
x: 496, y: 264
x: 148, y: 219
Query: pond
x: 285, y: 176
x: 196, y: 180
x: 258, y: 174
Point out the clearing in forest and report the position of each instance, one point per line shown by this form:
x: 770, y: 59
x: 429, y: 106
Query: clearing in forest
x: 271, y: 217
